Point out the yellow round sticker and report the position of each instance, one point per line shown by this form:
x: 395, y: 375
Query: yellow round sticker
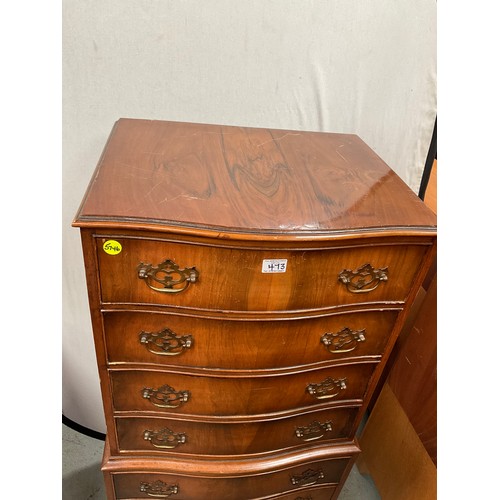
x: 112, y: 247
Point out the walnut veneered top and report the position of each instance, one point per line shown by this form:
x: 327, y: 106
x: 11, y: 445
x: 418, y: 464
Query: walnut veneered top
x: 246, y: 182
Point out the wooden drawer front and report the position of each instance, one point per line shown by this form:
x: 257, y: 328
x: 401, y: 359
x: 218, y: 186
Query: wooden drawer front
x: 140, y: 390
x: 167, y: 339
x: 296, y: 479
x: 232, y: 279
x: 167, y: 436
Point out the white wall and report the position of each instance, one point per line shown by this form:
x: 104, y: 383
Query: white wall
x: 360, y: 67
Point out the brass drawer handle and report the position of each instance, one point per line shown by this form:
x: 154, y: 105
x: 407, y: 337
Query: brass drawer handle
x: 166, y: 396
x: 327, y: 389
x: 159, y: 489
x: 313, y: 431
x: 165, y: 438
x: 167, y: 277
x: 307, y: 478
x: 165, y: 342
x: 335, y: 342
x: 364, y: 279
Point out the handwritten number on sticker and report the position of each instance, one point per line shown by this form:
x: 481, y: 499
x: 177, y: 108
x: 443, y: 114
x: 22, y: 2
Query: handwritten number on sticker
x: 274, y: 265
x: 112, y: 247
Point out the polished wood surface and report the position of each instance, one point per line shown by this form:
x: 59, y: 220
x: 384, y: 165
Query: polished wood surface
x: 235, y: 438
x: 234, y: 180
x: 403, y: 422
x: 236, y: 478
x: 244, y: 345
x: 230, y: 279
x: 127, y: 485
x: 236, y: 466
x: 235, y: 358
x: 213, y: 395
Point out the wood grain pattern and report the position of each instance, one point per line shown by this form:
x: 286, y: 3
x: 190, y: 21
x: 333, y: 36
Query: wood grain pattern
x: 404, y: 420
x: 244, y: 345
x: 255, y: 364
x: 243, y: 180
x: 233, y: 280
x: 127, y: 485
x: 237, y: 466
x: 413, y: 376
x: 229, y: 438
x: 430, y: 198
x: 200, y: 477
x: 243, y: 396
x: 394, y: 455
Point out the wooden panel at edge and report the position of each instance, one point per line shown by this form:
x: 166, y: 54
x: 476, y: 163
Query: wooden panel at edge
x: 430, y: 198
x: 413, y: 377
x: 394, y: 456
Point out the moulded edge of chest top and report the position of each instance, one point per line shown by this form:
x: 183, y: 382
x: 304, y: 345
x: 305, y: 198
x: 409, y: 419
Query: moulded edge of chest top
x: 286, y: 240
x: 245, y: 234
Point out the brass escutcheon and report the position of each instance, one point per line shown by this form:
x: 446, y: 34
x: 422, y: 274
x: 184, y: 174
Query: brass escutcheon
x: 313, y: 431
x: 345, y: 340
x: 165, y: 342
x: 159, y: 489
x: 327, y: 389
x: 307, y: 478
x: 165, y: 396
x: 167, y: 277
x: 165, y: 438
x: 364, y: 279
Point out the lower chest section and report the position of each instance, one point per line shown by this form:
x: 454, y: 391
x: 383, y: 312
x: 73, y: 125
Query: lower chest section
x: 317, y: 479
x: 241, y: 373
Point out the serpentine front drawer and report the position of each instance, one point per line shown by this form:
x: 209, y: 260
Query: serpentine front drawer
x: 196, y: 394
x: 146, y: 485
x: 175, y: 340
x: 169, y: 436
x: 208, y: 277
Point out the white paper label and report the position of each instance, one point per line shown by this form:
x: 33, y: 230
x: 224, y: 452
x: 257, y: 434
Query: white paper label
x: 274, y: 265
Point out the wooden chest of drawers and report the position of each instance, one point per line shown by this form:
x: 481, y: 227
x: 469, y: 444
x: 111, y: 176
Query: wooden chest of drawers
x: 246, y: 287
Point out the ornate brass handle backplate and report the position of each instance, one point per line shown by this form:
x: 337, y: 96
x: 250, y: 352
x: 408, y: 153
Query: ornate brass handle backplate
x: 307, y: 478
x: 345, y: 340
x: 165, y: 342
x: 165, y: 396
x: 364, y: 279
x: 167, y: 277
x: 165, y: 438
x: 159, y: 489
x: 313, y: 431
x: 327, y: 389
